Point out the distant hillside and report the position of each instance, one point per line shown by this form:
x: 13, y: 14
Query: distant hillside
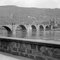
x: 9, y: 14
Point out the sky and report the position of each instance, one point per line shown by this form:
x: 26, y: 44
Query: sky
x: 32, y: 3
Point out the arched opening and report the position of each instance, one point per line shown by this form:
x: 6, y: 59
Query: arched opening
x: 6, y: 31
x: 21, y: 31
x: 47, y: 27
x: 33, y: 27
x: 41, y: 28
x: 33, y: 30
x: 21, y: 27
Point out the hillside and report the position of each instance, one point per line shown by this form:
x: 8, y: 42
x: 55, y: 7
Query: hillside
x: 9, y: 14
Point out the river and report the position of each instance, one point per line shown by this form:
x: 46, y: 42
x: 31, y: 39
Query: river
x: 49, y: 35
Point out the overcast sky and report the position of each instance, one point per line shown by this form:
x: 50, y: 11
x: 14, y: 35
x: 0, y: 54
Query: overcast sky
x: 32, y: 3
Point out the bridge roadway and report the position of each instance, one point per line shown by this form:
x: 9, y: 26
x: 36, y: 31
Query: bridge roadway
x: 42, y: 41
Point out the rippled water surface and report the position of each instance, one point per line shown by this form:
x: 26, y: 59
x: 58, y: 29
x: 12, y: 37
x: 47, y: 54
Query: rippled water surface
x: 55, y: 35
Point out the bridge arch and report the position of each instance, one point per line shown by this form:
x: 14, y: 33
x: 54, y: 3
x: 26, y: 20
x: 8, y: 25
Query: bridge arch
x: 9, y: 31
x: 33, y: 27
x: 47, y: 27
x: 41, y: 27
x: 20, y: 30
x: 22, y: 27
x: 33, y: 30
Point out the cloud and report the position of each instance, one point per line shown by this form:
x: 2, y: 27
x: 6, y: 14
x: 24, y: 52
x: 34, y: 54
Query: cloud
x: 10, y: 2
x: 47, y: 4
x: 58, y: 3
x: 2, y: 2
x: 38, y: 3
x: 32, y: 3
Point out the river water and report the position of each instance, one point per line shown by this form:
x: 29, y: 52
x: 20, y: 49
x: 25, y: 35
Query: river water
x: 49, y: 35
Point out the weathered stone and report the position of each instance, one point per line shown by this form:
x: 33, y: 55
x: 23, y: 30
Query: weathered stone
x: 39, y: 58
x: 56, y: 53
x: 29, y: 51
x: 30, y: 56
x: 26, y: 55
x: 47, y: 51
x: 50, y: 59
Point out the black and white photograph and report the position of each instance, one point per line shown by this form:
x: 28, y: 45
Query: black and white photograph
x: 29, y: 29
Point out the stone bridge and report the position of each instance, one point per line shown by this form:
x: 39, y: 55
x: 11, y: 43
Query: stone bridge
x: 11, y: 29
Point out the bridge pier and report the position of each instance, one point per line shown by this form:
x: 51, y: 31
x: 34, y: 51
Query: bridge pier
x: 37, y: 27
x: 14, y: 31
x: 29, y: 30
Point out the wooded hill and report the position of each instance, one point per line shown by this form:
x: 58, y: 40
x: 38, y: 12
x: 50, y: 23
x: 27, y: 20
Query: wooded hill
x: 13, y: 14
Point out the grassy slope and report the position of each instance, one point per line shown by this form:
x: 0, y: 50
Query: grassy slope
x: 16, y: 14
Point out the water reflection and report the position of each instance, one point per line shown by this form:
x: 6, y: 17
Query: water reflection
x: 3, y: 32
x: 33, y: 33
x: 41, y: 34
x: 49, y: 35
x: 21, y: 33
x: 24, y: 34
